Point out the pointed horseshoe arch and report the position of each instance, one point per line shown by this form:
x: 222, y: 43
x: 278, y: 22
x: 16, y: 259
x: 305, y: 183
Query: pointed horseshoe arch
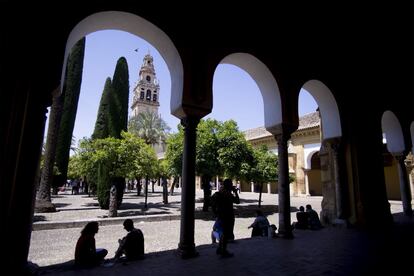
x: 265, y: 81
x: 331, y: 121
x: 138, y: 26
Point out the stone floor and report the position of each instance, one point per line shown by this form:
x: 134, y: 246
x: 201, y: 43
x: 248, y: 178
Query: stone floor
x: 330, y: 251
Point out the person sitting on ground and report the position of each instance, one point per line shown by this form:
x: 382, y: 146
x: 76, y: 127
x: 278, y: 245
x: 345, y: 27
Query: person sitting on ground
x: 272, y: 231
x: 302, y: 218
x: 86, y: 254
x: 217, y: 231
x: 313, y: 219
x: 260, y: 225
x: 132, y: 245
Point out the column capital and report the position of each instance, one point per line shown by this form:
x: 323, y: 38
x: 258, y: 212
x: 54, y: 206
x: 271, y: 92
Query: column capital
x: 190, y: 122
x: 399, y: 156
x: 282, y: 138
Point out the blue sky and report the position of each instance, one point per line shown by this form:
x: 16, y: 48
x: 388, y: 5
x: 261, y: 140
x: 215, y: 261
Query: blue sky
x: 235, y: 94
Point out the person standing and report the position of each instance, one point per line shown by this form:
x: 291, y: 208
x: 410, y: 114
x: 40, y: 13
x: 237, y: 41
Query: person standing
x: 222, y: 203
x: 86, y: 254
x: 205, y: 185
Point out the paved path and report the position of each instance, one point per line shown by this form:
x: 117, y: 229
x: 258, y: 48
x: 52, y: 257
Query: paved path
x: 332, y: 251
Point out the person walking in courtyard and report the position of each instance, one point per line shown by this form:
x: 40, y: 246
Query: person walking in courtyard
x: 222, y: 204
x: 132, y: 245
x: 86, y: 254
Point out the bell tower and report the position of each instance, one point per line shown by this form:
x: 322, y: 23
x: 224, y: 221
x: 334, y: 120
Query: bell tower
x: 147, y: 90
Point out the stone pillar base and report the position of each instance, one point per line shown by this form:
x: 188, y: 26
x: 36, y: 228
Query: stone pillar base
x: 286, y: 235
x: 43, y: 206
x: 187, y: 252
x: 340, y: 223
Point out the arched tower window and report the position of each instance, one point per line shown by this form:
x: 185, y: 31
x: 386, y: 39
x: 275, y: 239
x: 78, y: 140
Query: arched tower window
x: 142, y: 94
x: 154, y: 97
x: 148, y: 95
x: 148, y: 78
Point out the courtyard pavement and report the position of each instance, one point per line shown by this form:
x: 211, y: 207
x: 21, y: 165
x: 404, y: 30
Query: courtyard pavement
x: 330, y: 251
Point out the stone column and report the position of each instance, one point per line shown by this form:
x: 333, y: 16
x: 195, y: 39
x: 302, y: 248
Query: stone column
x: 285, y: 229
x: 339, y: 203
x: 186, y: 246
x: 269, y: 188
x: 252, y: 187
x: 305, y: 171
x: 404, y: 185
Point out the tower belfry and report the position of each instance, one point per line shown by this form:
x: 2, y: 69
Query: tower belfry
x: 147, y: 90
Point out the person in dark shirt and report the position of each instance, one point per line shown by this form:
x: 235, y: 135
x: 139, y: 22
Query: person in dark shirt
x: 222, y: 203
x: 313, y: 219
x: 260, y: 225
x: 132, y: 245
x: 302, y: 218
x: 86, y: 254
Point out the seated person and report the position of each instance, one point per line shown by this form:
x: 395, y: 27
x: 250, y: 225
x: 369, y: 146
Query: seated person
x: 260, y: 225
x: 272, y: 231
x: 302, y: 218
x: 313, y: 219
x: 86, y: 254
x: 217, y: 231
x: 132, y: 245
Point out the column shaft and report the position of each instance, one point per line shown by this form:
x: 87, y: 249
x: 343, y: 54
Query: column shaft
x: 285, y: 229
x: 404, y: 186
x: 186, y: 246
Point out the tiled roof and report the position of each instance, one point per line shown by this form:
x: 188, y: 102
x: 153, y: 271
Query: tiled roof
x: 309, y: 120
x: 306, y: 121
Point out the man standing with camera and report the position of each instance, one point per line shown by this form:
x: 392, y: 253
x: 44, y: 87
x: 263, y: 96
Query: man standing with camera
x: 222, y: 203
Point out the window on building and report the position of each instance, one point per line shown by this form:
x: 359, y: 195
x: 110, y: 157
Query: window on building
x: 141, y: 96
x: 154, y: 97
x: 148, y: 78
x: 148, y: 95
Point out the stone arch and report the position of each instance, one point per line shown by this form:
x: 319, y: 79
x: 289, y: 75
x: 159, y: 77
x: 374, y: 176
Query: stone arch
x: 265, y: 81
x: 391, y: 127
x: 138, y: 26
x: 308, y: 158
x: 329, y: 112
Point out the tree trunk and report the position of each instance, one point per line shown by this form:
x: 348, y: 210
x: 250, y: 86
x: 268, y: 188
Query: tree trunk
x: 260, y: 195
x: 113, y: 202
x: 43, y: 198
x: 146, y: 192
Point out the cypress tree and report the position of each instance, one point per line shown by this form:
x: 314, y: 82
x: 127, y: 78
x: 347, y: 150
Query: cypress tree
x: 119, y: 113
x: 111, y: 120
x: 70, y: 106
x: 102, y: 119
x: 119, y: 106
